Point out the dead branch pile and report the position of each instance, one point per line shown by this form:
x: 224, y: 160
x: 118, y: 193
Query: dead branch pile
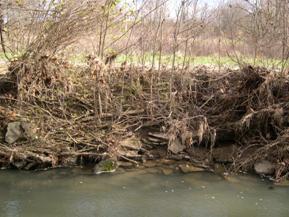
x: 41, y: 78
x: 173, y: 110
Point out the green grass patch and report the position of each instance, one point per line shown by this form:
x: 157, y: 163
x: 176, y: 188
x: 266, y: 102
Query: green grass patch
x: 9, y: 55
x: 167, y: 60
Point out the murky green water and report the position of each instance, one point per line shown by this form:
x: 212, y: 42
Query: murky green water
x: 70, y: 193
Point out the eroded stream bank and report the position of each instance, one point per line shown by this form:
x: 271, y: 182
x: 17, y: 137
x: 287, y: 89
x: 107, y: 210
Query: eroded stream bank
x: 55, y: 115
x: 146, y: 192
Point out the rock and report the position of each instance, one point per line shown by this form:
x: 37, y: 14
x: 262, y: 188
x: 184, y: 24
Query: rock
x: 19, y: 130
x: 178, y: 157
x: 131, y: 149
x: 19, y: 164
x: 150, y: 164
x: 29, y: 166
x: 188, y: 168
x: 132, y: 143
x: 159, y: 136
x: 264, y: 167
x: 156, y: 139
x: 232, y: 179
x: 106, y: 166
x: 167, y: 161
x: 29, y: 130
x: 153, y: 142
x: 167, y: 171
x: 176, y: 146
x: 126, y: 165
x: 14, y: 132
x: 130, y: 156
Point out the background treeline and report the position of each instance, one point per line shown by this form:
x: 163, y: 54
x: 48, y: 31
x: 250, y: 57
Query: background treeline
x: 154, y: 31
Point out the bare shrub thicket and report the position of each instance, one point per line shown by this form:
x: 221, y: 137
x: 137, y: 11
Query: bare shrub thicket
x: 257, y: 29
x: 151, y: 31
x: 45, y: 27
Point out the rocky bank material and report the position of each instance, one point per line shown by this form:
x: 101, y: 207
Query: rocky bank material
x: 264, y: 167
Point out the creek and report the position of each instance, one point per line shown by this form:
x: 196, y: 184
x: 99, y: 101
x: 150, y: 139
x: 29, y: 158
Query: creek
x: 139, y: 193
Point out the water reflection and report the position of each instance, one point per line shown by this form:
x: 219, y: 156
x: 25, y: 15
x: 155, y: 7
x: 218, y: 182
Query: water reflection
x: 12, y: 209
x: 68, y: 193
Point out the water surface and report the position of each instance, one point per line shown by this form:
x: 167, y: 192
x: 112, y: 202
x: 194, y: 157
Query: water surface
x: 74, y: 193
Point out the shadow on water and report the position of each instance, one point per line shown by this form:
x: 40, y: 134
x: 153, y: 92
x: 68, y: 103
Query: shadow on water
x: 75, y: 192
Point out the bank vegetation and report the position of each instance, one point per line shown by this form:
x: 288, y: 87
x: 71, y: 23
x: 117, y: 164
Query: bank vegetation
x: 56, y: 113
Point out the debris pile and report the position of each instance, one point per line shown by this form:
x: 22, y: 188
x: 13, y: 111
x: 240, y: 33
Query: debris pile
x: 136, y: 114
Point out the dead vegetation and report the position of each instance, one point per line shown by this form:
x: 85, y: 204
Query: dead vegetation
x: 81, y: 115
x: 54, y: 114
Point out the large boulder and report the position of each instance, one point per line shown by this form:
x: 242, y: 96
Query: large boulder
x: 264, y: 167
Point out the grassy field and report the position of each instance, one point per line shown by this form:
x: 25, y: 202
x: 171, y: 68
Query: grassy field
x: 166, y: 60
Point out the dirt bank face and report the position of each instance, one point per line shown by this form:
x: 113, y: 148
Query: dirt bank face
x: 132, y: 114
